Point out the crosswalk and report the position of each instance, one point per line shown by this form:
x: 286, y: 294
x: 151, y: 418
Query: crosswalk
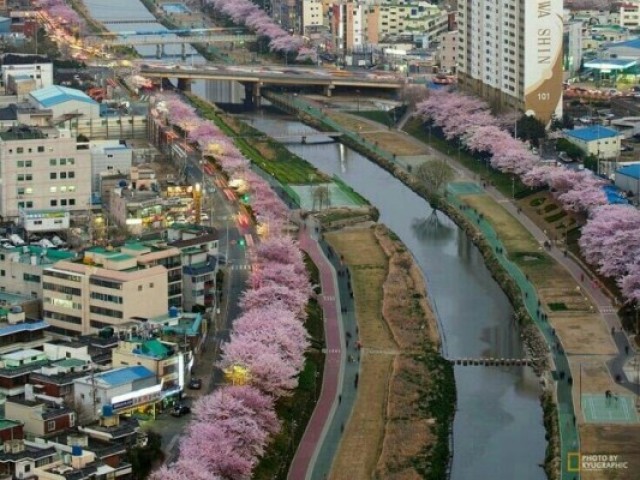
x: 240, y: 266
x: 607, y: 309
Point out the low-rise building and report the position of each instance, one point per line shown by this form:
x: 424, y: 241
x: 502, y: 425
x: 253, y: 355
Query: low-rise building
x: 36, y: 67
x: 21, y: 335
x: 108, y: 157
x: 103, y: 291
x: 19, y: 460
x: 42, y: 170
x: 120, y: 391
x: 21, y: 273
x: 165, y: 359
x: 15, y: 370
x: 601, y: 142
x: 189, y: 330
x: 40, y: 418
x: 628, y: 180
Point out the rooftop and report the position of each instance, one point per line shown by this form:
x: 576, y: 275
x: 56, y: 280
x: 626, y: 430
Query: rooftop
x: 125, y: 375
x: 44, y: 256
x: 55, y: 95
x: 589, y: 134
x: 21, y: 132
x: 608, y: 64
x: 69, y: 363
x: 632, y: 171
x: 22, y: 327
x: 153, y: 348
x: 28, y: 453
x: 22, y: 354
x: 634, y: 43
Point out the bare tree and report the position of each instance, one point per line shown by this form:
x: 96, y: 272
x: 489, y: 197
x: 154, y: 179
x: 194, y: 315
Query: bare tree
x: 435, y: 174
x: 413, y: 94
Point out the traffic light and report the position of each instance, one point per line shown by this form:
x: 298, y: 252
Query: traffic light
x: 245, y: 198
x: 241, y: 242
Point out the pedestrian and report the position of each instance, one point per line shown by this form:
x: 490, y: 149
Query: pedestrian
x: 339, y: 399
x: 342, y: 428
x: 347, y: 341
x: 355, y: 382
x: 570, y: 381
x: 348, y: 334
x: 626, y: 349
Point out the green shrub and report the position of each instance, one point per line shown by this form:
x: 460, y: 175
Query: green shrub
x: 550, y: 207
x: 536, y: 202
x: 557, y: 306
x: 555, y: 217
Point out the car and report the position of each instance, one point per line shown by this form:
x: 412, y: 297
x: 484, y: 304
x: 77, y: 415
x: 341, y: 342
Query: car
x: 180, y: 410
x: 195, y: 384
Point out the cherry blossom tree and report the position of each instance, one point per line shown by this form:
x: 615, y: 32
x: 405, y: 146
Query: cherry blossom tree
x: 630, y: 283
x: 185, y: 469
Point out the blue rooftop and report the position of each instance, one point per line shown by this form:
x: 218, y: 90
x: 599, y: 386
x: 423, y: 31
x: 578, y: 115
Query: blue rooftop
x: 55, y: 95
x: 614, y: 195
x: 23, y: 327
x: 632, y: 171
x: 126, y: 375
x: 610, y: 63
x: 634, y: 43
x: 589, y: 134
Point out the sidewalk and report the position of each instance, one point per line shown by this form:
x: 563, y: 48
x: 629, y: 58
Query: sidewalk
x: 307, y: 452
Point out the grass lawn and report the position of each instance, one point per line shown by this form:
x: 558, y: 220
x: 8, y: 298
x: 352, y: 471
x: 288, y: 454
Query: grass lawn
x: 621, y: 440
x: 389, y: 140
x: 379, y: 116
x: 513, y: 235
x: 363, y: 436
x: 503, y: 182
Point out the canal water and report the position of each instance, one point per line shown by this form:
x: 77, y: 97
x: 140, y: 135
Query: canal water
x: 498, y: 430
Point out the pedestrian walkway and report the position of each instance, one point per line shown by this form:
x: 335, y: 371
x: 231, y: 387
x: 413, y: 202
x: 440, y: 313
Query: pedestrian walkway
x: 319, y: 443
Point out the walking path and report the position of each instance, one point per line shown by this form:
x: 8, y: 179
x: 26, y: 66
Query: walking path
x: 320, y: 441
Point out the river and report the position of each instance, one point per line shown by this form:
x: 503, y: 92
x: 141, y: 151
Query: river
x: 498, y: 430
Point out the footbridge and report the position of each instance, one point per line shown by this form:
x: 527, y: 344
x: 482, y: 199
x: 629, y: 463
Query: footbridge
x: 254, y: 78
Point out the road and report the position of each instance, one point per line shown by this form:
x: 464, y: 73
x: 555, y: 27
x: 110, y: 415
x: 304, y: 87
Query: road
x: 236, y: 272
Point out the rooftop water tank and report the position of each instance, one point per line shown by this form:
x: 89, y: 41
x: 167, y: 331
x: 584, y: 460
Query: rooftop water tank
x: 173, y: 312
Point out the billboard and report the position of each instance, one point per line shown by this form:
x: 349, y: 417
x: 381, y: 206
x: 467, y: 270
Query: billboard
x: 543, y: 35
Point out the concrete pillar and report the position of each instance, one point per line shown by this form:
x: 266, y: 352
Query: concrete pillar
x: 158, y: 51
x: 327, y: 90
x: 162, y: 50
x: 184, y: 84
x: 251, y: 95
x: 257, y: 96
x: 183, y: 51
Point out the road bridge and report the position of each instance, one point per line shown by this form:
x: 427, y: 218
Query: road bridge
x: 256, y: 77
x: 156, y: 39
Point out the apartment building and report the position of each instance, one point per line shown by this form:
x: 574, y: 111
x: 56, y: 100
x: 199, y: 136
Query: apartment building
x: 447, y: 55
x: 629, y: 15
x: 107, y: 289
x: 43, y: 169
x: 510, y: 53
x: 312, y: 16
x: 348, y: 26
x: 421, y: 20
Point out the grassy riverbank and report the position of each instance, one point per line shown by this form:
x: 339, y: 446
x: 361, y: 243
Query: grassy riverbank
x: 402, y: 376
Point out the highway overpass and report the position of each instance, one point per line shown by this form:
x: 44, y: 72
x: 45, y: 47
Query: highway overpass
x: 256, y: 77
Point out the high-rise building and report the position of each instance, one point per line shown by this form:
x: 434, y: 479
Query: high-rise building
x: 510, y: 53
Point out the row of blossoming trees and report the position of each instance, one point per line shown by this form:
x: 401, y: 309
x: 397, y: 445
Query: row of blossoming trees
x: 61, y: 12
x: 245, y: 12
x: 611, y: 237
x: 232, y: 426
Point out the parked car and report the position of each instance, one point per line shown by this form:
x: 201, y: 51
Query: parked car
x: 180, y: 410
x: 195, y: 384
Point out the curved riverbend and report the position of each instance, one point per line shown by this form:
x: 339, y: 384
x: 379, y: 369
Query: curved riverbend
x: 498, y: 431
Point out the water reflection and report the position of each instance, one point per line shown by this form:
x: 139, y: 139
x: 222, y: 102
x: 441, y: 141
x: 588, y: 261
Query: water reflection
x: 432, y: 229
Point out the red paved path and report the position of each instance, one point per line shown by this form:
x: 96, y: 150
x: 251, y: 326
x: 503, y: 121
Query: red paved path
x: 331, y: 377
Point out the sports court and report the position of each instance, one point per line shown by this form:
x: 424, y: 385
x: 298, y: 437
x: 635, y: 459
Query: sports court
x: 464, y: 188
x: 597, y: 408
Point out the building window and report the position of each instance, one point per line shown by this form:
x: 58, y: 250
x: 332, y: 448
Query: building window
x: 53, y: 176
x: 63, y: 175
x: 63, y: 161
x: 71, y: 161
x: 53, y: 162
x: 63, y: 188
x: 31, y: 278
x: 20, y: 150
x: 63, y: 202
x: 20, y: 190
x: 71, y: 174
x: 20, y: 163
x: 28, y: 163
x: 40, y: 149
x: 139, y: 288
x: 72, y: 201
x: 2, y: 273
x: 53, y: 203
x: 51, y: 425
x: 53, y: 189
